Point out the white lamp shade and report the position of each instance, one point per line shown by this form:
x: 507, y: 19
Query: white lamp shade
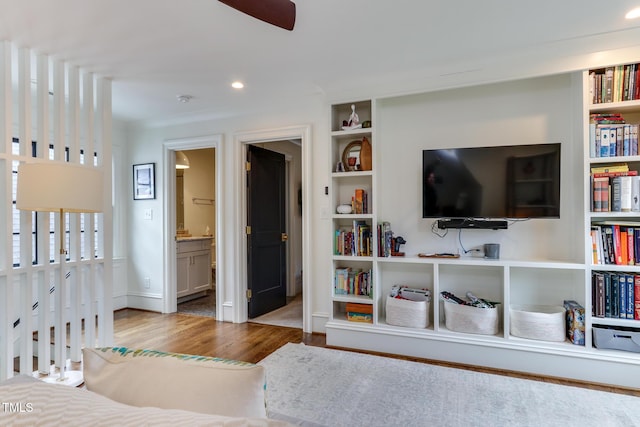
x: 182, y: 161
x: 55, y: 186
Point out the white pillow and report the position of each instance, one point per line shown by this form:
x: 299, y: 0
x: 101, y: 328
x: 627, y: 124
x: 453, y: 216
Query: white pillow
x: 176, y: 381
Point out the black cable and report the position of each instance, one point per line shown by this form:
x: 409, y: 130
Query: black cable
x: 462, y: 246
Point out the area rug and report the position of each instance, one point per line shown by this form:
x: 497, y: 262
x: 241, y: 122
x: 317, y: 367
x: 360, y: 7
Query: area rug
x: 317, y: 386
x: 203, y: 306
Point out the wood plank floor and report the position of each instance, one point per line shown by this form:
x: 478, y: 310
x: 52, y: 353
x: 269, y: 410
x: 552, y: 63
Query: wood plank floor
x: 252, y: 342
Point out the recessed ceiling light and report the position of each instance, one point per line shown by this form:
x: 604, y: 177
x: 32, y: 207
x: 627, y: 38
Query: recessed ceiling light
x: 633, y: 14
x: 237, y: 85
x: 184, y: 98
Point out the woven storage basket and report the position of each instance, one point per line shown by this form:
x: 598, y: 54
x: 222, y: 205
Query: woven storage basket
x: 411, y: 313
x: 469, y: 319
x: 538, y: 322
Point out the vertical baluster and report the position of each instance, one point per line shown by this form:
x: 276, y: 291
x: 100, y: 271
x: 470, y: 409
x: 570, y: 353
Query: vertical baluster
x: 25, y: 282
x: 105, y: 250
x: 60, y: 295
x: 75, y: 311
x: 6, y: 251
x: 45, y: 281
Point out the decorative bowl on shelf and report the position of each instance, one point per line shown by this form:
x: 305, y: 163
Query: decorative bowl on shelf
x: 344, y: 209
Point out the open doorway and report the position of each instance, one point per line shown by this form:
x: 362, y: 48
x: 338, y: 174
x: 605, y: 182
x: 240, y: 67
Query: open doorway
x: 206, y: 231
x: 275, y: 286
x: 302, y: 136
x: 195, y: 231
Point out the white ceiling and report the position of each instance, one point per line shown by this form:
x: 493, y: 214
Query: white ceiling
x: 155, y: 50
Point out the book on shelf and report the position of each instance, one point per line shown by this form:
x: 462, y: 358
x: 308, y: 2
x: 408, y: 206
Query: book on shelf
x: 618, y: 167
x: 385, y: 239
x: 615, y: 295
x: 575, y: 321
x: 600, y: 196
x: 636, y: 297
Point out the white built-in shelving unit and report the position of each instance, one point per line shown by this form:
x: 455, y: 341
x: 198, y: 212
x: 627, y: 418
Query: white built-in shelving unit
x: 630, y: 109
x: 534, y: 279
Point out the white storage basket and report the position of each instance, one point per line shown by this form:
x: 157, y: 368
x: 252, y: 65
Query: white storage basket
x: 470, y: 319
x: 411, y: 313
x: 538, y: 322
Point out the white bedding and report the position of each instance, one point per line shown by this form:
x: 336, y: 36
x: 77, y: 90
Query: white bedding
x: 30, y: 402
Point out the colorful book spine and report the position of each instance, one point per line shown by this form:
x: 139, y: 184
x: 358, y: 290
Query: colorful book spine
x: 636, y: 297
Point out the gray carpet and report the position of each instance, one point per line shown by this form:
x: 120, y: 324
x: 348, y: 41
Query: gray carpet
x: 203, y: 306
x: 319, y: 386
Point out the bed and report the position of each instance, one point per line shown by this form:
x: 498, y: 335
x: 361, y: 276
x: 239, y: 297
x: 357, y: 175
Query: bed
x: 143, y: 387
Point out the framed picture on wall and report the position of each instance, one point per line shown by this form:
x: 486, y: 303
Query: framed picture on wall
x: 144, y: 181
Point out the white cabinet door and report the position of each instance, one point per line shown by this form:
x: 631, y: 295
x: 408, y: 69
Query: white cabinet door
x: 182, y: 266
x: 200, y: 271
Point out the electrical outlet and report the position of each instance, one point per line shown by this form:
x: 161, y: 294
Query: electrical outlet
x: 147, y: 282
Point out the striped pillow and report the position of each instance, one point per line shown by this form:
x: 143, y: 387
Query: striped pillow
x: 209, y: 385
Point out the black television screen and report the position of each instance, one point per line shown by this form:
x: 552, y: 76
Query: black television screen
x: 514, y: 181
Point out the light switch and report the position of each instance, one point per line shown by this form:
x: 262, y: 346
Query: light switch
x: 324, y: 212
x: 148, y: 214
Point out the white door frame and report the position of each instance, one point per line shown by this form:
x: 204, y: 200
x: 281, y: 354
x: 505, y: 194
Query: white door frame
x: 170, y: 301
x: 241, y: 141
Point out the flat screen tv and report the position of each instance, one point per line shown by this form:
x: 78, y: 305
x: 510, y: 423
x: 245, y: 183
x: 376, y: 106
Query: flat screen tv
x: 514, y: 181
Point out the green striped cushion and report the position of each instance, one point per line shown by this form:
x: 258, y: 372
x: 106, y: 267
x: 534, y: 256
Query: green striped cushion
x: 211, y: 385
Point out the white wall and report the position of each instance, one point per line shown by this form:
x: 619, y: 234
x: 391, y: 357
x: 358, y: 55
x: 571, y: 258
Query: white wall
x: 532, y: 111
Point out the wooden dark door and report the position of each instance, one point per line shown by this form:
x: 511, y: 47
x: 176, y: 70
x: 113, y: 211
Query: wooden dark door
x: 266, y: 234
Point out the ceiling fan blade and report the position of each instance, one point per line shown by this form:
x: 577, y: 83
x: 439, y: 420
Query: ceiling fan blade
x: 281, y: 13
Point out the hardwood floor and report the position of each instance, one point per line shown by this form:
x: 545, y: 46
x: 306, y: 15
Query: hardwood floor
x: 189, y: 334
x: 252, y: 342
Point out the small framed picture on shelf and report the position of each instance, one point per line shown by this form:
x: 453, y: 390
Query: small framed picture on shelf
x: 144, y: 185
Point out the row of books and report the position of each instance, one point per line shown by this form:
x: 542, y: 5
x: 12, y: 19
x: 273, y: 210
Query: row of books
x: 615, y: 190
x: 615, y: 295
x: 613, y: 140
x: 616, y: 243
x: 614, y: 84
x: 354, y: 241
x: 350, y: 281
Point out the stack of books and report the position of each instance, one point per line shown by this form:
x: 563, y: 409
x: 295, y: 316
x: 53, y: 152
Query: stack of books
x: 359, y: 312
